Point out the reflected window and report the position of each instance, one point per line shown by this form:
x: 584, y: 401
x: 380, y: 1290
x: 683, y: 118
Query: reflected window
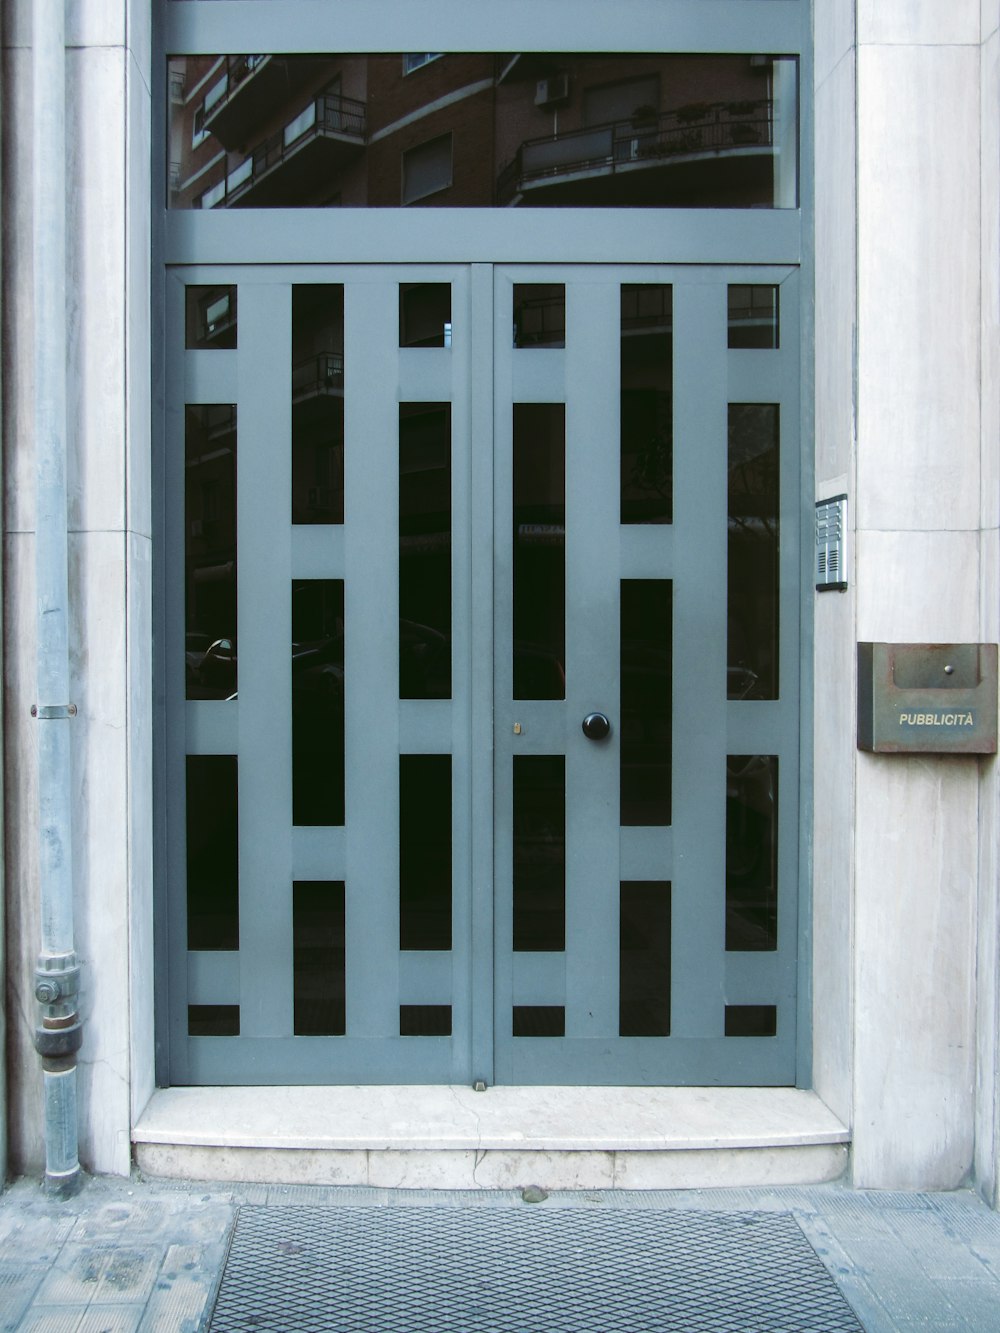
x: 425, y: 314
x: 753, y: 315
x: 753, y: 551
x: 539, y: 314
x: 414, y: 60
x: 752, y: 852
x: 317, y: 403
x: 539, y: 551
x: 210, y: 551
x: 647, y: 403
x: 425, y: 550
x: 210, y: 317
x: 427, y: 169
x: 514, y: 130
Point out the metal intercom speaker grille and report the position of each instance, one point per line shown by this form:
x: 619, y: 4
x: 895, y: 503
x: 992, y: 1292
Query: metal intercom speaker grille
x: 831, y: 544
x: 523, y: 1270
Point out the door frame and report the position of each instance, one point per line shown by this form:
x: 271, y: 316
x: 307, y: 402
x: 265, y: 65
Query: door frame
x: 484, y: 237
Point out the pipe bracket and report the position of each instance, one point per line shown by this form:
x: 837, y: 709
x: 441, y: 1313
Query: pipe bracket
x: 46, y: 712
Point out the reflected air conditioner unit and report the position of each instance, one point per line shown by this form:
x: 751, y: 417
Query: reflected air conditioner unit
x: 554, y: 89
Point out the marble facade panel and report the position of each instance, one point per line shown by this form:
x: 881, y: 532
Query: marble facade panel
x: 924, y: 22
x: 95, y: 372
x: 918, y: 587
x: 918, y: 283
x: 915, y: 907
x: 836, y: 265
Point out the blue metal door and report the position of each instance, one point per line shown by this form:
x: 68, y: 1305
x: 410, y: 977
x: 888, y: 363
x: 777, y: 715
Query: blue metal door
x: 646, y: 671
x: 423, y: 522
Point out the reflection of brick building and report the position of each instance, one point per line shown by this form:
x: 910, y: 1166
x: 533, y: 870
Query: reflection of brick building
x: 473, y: 130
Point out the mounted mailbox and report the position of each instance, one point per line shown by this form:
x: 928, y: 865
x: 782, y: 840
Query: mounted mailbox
x: 927, y: 698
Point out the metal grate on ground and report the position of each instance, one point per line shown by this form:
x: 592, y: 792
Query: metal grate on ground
x: 453, y: 1270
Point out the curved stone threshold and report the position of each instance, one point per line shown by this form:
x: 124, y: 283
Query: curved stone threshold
x: 454, y: 1118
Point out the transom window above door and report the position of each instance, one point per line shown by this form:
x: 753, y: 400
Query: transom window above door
x: 480, y: 129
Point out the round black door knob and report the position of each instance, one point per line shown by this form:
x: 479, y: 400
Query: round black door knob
x: 596, y: 726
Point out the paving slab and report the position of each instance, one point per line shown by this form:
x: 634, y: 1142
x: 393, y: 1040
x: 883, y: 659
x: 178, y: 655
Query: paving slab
x: 149, y: 1256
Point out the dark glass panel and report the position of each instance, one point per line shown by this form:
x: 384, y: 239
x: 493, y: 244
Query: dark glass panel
x: 647, y: 403
x: 425, y: 1020
x: 318, y: 957
x: 213, y: 1020
x: 644, y: 959
x: 317, y: 404
x: 425, y: 851
x: 482, y: 130
x: 751, y: 1020
x: 539, y: 314
x: 751, y: 852
x: 209, y: 317
x: 213, y: 890
x: 425, y: 314
x: 646, y: 710
x: 753, y: 315
x: 317, y: 701
x: 539, y: 1020
x: 539, y: 853
x: 539, y: 551
x: 753, y: 551
x: 425, y: 550
x: 210, y: 551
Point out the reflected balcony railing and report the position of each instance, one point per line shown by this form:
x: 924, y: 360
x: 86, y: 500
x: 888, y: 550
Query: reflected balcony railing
x: 322, y: 372
x: 337, y: 122
x: 627, y: 145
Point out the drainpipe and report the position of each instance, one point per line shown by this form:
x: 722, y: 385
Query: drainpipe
x: 58, y: 1036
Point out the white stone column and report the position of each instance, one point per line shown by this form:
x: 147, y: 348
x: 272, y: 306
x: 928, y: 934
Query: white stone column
x: 987, y: 1158
x: 107, y: 183
x: 919, y: 543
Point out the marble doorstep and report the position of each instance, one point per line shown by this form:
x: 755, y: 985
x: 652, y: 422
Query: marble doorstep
x: 454, y: 1118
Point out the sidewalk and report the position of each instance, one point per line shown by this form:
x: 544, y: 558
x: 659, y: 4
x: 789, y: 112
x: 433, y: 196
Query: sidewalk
x: 135, y: 1255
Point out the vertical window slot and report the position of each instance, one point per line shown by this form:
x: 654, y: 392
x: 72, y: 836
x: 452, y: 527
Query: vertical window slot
x: 539, y: 551
x: 213, y: 888
x: 425, y: 550
x: 317, y: 701
x: 753, y: 551
x: 646, y: 709
x: 317, y: 403
x: 539, y: 853
x: 210, y: 551
x: 644, y: 959
x: 425, y: 851
x: 318, y: 958
x: 647, y: 403
x: 751, y: 852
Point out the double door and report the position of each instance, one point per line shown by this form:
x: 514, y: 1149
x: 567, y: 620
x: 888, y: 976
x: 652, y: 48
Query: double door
x: 483, y: 744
